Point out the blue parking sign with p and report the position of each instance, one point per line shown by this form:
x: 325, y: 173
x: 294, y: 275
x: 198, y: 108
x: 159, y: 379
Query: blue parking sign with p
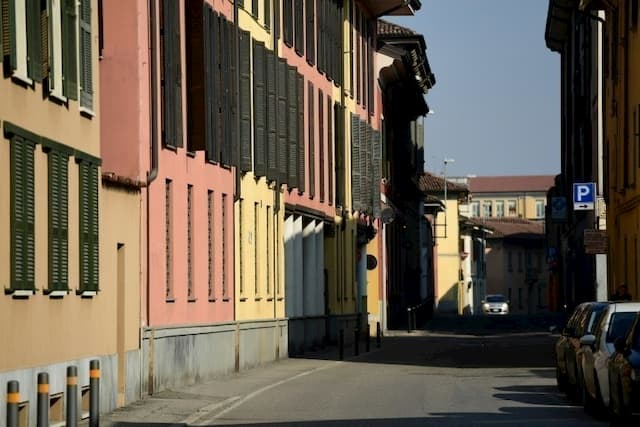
x: 583, y: 196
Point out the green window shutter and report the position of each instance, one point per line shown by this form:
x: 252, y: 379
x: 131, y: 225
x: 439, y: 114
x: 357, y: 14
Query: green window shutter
x: 195, y: 13
x: 310, y: 8
x: 368, y: 169
x: 255, y: 8
x: 267, y: 13
x: 312, y: 158
x: 299, y: 16
x: 321, y: 34
x: 287, y: 21
x: 22, y: 214
x: 86, y: 65
x: 282, y: 120
x: 300, y: 139
x: 245, y: 101
x: 88, y: 227
x: 355, y: 163
x: 8, y: 11
x: 321, y: 143
x: 34, y: 61
x: 292, y: 128
x: 259, y: 109
x: 377, y: 172
x: 362, y: 166
x: 69, y: 50
x: 272, y: 133
x: 58, y: 220
x: 172, y: 74
x: 212, y: 74
x: 330, y: 146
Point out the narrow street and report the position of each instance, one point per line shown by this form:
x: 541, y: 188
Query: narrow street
x: 421, y: 378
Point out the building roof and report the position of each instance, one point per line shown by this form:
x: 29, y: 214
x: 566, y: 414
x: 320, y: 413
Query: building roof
x: 511, y: 184
x: 514, y: 228
x: 389, y: 29
x: 429, y: 183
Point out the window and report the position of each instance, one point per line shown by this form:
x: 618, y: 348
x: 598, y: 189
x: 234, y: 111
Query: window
x: 256, y: 246
x: 190, y: 290
x: 240, y: 248
x: 210, y: 245
x: 475, y: 209
x: 268, y: 241
x: 311, y: 151
x: 223, y: 221
x: 486, y: 209
x: 22, y: 215
x: 539, y: 208
x: 168, y: 243
x: 58, y: 164
x: 171, y: 74
x: 500, y: 208
x: 88, y: 227
x: 86, y: 74
x: 511, y: 206
x: 255, y: 7
x: 310, y: 31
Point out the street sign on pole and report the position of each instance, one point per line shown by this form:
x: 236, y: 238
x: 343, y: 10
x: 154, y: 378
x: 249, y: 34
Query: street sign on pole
x: 584, y: 196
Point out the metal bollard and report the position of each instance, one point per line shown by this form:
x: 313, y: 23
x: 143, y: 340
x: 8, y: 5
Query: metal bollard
x: 356, y: 341
x: 72, y: 396
x: 43, y: 400
x: 341, y: 344
x: 378, y: 334
x: 94, y: 390
x: 408, y: 319
x: 368, y: 338
x: 13, y: 403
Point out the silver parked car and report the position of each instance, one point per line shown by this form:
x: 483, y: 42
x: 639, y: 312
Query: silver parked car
x: 597, y: 348
x: 495, y: 304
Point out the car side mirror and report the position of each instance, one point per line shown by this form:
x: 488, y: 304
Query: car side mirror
x: 588, y: 340
x: 620, y: 345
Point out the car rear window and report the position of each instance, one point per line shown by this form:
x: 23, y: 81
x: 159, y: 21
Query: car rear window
x: 619, y: 326
x: 496, y: 298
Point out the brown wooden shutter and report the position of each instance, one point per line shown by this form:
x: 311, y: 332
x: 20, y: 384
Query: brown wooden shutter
x: 259, y: 109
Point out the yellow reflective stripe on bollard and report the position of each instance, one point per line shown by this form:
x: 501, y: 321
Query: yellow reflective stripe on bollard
x: 43, y: 388
x: 72, y: 380
x: 13, y: 397
x: 94, y: 373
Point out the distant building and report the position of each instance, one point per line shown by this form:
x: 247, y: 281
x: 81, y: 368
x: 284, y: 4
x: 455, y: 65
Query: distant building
x: 523, y: 196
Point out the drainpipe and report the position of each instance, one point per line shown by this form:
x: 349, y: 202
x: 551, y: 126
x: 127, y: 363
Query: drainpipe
x: 153, y: 172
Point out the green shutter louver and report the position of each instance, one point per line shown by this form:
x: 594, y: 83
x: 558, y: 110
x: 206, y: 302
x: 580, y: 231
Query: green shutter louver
x: 292, y: 127
x: 330, y: 148
x: 321, y: 135
x: 58, y: 220
x: 299, y: 17
x: 377, y: 173
x: 88, y: 227
x: 8, y: 24
x: 245, y: 101
x: 301, y: 140
x: 211, y: 84
x: 34, y: 39
x: 86, y: 65
x: 282, y: 120
x: 22, y: 214
x: 172, y: 74
x: 311, y: 128
x: 310, y: 29
x: 356, y: 189
x: 259, y: 109
x: 287, y: 21
x: 69, y: 50
x: 272, y: 106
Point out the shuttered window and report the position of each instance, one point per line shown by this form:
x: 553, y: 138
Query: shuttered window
x: 22, y: 214
x: 292, y: 127
x: 212, y: 84
x: 321, y: 134
x: 196, y: 27
x: 88, y: 226
x: 312, y: 160
x: 356, y: 189
x: 69, y: 50
x: 330, y: 148
x: 255, y: 8
x: 377, y: 172
x: 367, y: 168
x: 272, y: 106
x: 339, y: 154
x: 37, y: 39
x: 58, y: 170
x: 228, y: 101
x: 171, y: 78
x: 310, y: 31
x: 287, y: 21
x: 301, y: 139
x: 86, y: 65
x: 245, y: 101
x: 259, y: 109
x: 282, y: 120
x: 267, y: 14
x: 370, y: 76
x: 362, y: 165
x: 299, y: 17
x: 321, y: 33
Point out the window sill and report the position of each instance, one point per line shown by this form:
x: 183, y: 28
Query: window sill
x: 192, y: 300
x: 270, y: 299
x: 280, y: 298
x: 58, y: 97
x: 56, y: 293
x: 86, y: 293
x: 170, y: 300
x: 213, y: 299
x: 22, y: 79
x: 19, y: 293
x: 242, y: 299
x: 226, y: 299
x: 87, y: 112
x: 257, y: 299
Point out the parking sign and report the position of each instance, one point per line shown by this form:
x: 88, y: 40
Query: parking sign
x: 583, y: 196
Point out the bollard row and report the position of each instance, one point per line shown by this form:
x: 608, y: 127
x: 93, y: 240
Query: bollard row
x: 72, y: 408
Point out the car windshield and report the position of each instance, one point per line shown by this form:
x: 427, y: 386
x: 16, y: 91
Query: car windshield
x: 619, y: 326
x: 496, y: 298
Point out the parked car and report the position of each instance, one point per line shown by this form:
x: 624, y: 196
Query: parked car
x: 614, y: 322
x: 624, y: 375
x: 567, y: 349
x: 495, y: 304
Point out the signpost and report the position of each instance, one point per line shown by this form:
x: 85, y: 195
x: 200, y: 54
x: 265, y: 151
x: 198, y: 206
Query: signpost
x: 584, y: 196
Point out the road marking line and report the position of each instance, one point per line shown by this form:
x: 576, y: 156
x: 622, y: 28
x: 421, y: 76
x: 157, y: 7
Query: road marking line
x: 204, y: 411
x: 269, y: 387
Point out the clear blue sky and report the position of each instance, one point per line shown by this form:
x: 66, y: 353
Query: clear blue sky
x: 496, y: 101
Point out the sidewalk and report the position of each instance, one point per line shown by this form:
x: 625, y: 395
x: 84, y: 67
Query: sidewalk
x: 203, y: 403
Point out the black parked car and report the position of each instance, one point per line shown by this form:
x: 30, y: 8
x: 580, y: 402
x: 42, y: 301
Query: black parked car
x: 568, y: 351
x: 624, y: 376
